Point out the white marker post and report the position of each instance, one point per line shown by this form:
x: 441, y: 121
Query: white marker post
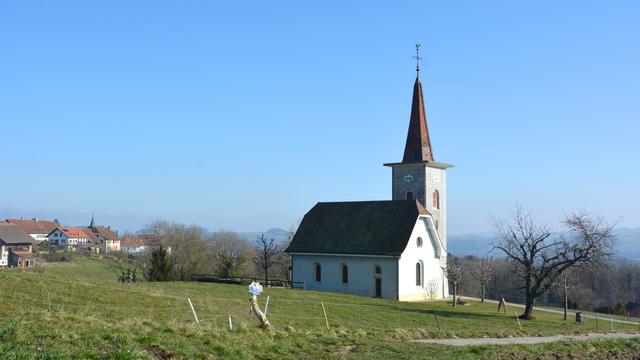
x: 193, y: 311
x: 517, y: 318
x: 266, y: 306
x: 230, y: 324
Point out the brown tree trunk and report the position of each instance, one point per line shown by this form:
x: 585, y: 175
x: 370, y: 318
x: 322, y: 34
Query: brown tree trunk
x: 454, y: 295
x: 482, y: 294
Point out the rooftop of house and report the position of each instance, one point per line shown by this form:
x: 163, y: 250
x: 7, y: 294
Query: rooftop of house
x: 73, y: 232
x: 357, y: 228
x: 91, y: 236
x: 35, y: 226
x: 12, y: 234
x: 133, y: 241
x: 105, y: 233
x: 23, y: 254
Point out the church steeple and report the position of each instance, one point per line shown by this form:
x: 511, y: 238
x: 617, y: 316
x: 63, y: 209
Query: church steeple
x: 93, y: 224
x: 418, y: 146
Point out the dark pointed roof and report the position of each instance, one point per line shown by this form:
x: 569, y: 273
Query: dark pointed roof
x: 13, y: 234
x: 357, y: 228
x: 418, y: 146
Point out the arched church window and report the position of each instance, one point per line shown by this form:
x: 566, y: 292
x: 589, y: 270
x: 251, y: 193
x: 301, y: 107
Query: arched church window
x: 436, y: 199
x: 345, y: 274
x: 378, y: 269
x: 409, y: 195
x: 418, y: 274
x: 419, y: 242
x: 318, y: 272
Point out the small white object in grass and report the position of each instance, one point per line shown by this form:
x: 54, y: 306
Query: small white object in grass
x: 255, y: 288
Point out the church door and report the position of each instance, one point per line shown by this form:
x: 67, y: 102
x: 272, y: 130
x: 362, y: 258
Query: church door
x: 378, y: 287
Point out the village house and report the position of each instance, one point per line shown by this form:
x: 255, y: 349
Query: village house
x: 68, y: 237
x: 38, y: 229
x: 138, y: 244
x: 108, y: 239
x: 393, y: 249
x: 16, y: 247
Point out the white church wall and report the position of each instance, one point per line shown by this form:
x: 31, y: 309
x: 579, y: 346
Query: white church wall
x: 361, y: 274
x: 433, y: 284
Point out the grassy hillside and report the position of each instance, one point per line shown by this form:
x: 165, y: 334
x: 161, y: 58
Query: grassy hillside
x: 79, y: 310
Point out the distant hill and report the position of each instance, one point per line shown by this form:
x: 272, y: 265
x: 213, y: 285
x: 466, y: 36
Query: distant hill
x: 627, y: 245
x: 279, y: 235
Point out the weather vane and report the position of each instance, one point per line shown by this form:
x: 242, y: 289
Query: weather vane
x: 418, y: 58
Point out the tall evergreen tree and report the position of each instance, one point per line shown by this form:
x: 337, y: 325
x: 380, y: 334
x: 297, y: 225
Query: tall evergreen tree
x: 161, y: 268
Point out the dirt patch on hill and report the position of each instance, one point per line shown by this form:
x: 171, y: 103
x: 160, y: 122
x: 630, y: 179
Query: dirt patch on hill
x: 161, y: 353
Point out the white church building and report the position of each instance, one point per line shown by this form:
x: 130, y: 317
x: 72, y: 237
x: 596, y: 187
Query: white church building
x: 394, y: 249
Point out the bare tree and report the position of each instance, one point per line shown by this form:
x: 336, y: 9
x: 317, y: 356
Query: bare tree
x: 185, y: 245
x: 540, y: 258
x: 627, y: 277
x: 267, y: 254
x: 454, y: 275
x: 482, y: 271
x: 230, y: 252
x: 432, y: 287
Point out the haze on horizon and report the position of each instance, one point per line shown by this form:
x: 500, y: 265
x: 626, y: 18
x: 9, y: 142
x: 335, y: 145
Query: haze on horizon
x: 243, y: 116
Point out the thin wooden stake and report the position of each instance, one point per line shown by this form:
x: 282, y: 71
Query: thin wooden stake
x: 436, y: 316
x: 230, y: 324
x: 611, y: 318
x: 326, y: 321
x: 49, y: 297
x: 193, y: 311
x: 517, y: 318
x: 597, y: 326
x: 266, y: 306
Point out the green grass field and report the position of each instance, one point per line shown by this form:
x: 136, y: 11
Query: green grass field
x: 79, y: 310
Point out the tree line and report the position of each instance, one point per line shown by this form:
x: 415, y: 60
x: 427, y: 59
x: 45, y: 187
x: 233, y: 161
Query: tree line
x: 181, y: 252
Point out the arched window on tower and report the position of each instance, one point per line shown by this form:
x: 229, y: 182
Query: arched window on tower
x: 318, y: 270
x: 436, y: 199
x: 418, y: 274
x: 409, y: 195
x: 345, y: 274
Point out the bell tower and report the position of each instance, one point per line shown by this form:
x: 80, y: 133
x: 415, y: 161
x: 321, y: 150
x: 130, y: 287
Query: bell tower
x: 419, y: 176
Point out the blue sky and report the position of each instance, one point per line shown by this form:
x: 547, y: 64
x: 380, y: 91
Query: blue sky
x: 243, y: 115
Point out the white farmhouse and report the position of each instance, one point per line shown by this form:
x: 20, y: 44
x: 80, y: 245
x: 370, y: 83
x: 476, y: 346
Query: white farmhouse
x: 393, y: 249
x: 68, y: 237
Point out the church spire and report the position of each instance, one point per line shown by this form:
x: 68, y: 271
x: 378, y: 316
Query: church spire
x: 93, y: 224
x: 418, y: 146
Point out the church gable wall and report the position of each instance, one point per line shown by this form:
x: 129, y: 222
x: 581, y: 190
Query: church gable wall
x: 431, y: 281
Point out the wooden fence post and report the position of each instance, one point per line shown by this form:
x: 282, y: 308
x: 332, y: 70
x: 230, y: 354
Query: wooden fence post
x: 326, y: 320
x: 436, y: 316
x: 193, y: 311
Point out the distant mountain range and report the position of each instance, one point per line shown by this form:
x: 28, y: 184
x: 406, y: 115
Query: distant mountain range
x: 627, y: 244
x: 279, y: 235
